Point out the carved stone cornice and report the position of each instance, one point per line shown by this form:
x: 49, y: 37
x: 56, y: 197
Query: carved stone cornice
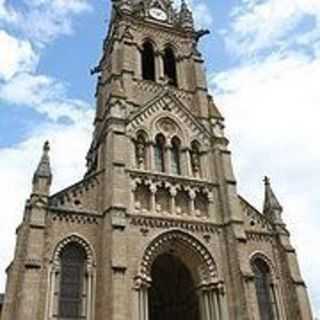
x: 60, y: 215
x: 259, y: 236
x: 160, y: 177
x: 167, y: 223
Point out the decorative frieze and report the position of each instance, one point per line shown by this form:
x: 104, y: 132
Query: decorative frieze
x: 258, y: 236
x: 72, y: 217
x: 163, y: 223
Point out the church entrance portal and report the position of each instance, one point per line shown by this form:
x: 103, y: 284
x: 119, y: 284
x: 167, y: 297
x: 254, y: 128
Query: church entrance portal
x: 173, y: 294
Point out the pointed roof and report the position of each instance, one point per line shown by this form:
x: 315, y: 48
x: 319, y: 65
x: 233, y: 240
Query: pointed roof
x: 44, y: 169
x: 271, y: 202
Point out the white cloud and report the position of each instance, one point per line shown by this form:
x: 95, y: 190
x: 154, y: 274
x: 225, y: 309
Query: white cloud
x: 202, y: 15
x: 42, y: 21
x: 7, y: 14
x: 43, y: 94
x: 272, y: 112
x: 17, y: 164
x: 16, y: 56
x: 263, y: 24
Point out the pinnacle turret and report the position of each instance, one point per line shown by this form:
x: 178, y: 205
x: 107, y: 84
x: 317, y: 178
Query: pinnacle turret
x: 42, y: 177
x: 271, y: 206
x: 186, y: 18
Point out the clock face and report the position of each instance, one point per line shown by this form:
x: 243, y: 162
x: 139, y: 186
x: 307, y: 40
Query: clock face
x: 158, y: 14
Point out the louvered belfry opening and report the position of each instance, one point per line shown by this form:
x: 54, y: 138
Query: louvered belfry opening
x: 148, y: 62
x: 170, y: 68
x: 172, y: 294
x: 262, y: 281
x: 73, y: 260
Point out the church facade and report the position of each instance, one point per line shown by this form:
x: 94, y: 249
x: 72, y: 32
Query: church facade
x: 156, y: 228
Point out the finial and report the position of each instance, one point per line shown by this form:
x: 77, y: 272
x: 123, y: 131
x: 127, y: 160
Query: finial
x: 266, y: 181
x: 46, y: 147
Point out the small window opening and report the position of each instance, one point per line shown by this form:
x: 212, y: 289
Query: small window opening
x: 148, y: 62
x: 159, y: 152
x: 175, y: 156
x: 170, y: 68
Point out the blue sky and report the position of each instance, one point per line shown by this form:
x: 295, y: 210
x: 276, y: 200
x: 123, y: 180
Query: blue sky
x: 263, y: 67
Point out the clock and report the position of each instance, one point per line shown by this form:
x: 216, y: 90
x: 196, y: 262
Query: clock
x: 158, y: 14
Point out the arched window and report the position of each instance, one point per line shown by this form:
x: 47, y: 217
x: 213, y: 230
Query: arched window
x: 141, y: 154
x: 263, y: 288
x: 159, y: 153
x: 175, y: 156
x: 195, y: 159
x: 73, y: 260
x: 148, y: 62
x: 170, y: 68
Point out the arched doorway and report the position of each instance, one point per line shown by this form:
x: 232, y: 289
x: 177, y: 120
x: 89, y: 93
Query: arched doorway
x: 172, y: 295
x: 178, y: 280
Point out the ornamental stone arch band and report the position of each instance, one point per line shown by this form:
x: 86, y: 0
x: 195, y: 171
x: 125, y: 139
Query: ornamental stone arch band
x: 88, y: 278
x: 74, y: 238
x: 169, y: 127
x: 194, y: 254
x: 196, y: 257
x: 273, y: 288
x: 262, y: 256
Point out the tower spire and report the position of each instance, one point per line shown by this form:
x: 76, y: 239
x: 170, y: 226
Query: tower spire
x: 42, y: 177
x: 271, y: 206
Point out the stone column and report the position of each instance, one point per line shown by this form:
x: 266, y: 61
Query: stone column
x: 222, y: 299
x: 153, y: 190
x: 52, y: 272
x: 138, y: 65
x: 53, y: 303
x: 150, y: 156
x: 251, y: 294
x: 277, y: 310
x: 89, y: 293
x: 159, y: 67
x: 213, y: 304
x: 173, y: 194
x: 142, y: 288
x: 167, y: 158
x: 192, y: 196
x: 204, y: 166
x: 185, y: 162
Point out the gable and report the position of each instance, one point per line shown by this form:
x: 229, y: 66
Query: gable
x: 167, y: 110
x: 255, y: 221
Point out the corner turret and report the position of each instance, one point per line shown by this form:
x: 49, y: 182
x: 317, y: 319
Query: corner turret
x: 186, y: 18
x: 42, y: 177
x: 272, y: 207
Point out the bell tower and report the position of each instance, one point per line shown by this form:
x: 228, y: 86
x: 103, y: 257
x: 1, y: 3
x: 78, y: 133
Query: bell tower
x: 156, y: 228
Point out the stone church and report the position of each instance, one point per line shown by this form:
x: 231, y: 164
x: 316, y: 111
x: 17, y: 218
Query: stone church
x: 156, y: 228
